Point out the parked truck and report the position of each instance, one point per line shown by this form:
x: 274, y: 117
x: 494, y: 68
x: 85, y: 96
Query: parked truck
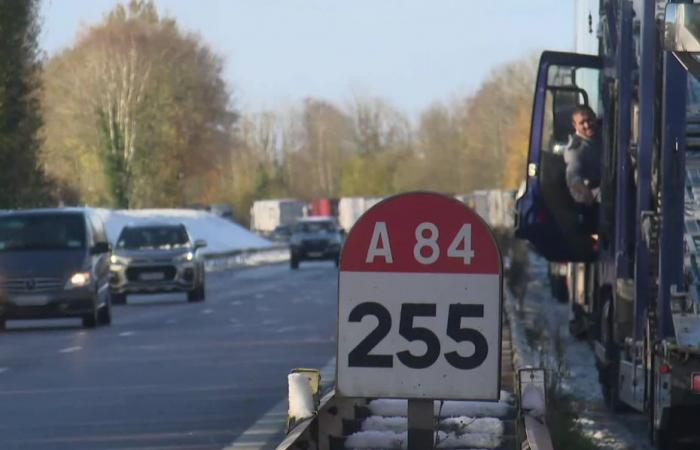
x: 266, y: 215
x: 633, y: 283
x: 351, y: 208
x: 495, y: 206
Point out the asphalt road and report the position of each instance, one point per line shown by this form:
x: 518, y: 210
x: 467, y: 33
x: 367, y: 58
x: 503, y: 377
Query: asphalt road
x: 168, y: 374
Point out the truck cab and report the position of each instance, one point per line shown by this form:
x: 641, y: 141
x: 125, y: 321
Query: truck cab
x: 546, y: 212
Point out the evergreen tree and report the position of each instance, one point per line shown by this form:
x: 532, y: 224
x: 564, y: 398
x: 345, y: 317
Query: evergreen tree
x: 23, y: 183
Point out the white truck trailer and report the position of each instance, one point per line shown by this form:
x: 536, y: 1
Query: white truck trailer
x: 351, y: 208
x: 266, y: 215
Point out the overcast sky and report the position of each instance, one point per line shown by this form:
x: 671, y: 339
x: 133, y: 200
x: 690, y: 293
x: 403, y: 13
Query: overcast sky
x: 410, y: 52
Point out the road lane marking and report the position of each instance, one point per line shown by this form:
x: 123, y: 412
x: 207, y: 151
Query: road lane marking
x: 236, y: 303
x: 77, y: 348
x: 171, y: 322
x: 3, y: 369
x: 207, y: 311
x: 126, y: 333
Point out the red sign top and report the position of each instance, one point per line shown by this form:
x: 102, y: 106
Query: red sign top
x: 421, y: 232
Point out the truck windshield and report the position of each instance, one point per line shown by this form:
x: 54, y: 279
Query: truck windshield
x: 153, y: 238
x: 42, y: 232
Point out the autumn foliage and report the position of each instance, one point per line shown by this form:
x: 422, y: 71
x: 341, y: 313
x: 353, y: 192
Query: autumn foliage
x: 137, y: 114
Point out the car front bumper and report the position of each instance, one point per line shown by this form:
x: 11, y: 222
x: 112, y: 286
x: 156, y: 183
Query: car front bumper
x: 152, y: 279
x: 47, y: 305
x: 315, y: 252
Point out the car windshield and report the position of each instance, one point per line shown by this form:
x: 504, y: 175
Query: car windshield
x: 153, y: 238
x: 315, y: 227
x: 42, y: 232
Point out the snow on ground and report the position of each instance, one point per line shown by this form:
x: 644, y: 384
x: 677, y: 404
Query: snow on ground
x: 579, y: 375
x: 221, y: 235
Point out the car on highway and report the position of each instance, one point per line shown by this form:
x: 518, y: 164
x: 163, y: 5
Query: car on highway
x: 282, y: 233
x: 151, y: 258
x: 315, y: 238
x: 54, y: 263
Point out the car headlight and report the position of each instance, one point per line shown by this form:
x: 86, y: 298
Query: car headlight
x: 78, y: 279
x: 115, y: 259
x: 189, y: 256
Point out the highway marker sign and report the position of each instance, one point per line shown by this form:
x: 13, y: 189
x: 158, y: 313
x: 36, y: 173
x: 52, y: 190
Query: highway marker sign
x: 419, y: 303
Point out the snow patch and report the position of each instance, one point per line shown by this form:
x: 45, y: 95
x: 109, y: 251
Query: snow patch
x: 221, y: 235
x: 460, y: 425
x: 450, y: 408
x: 390, y: 440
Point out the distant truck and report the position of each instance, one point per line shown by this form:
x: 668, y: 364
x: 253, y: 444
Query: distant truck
x: 495, y: 206
x: 351, y: 208
x: 324, y: 207
x: 266, y: 215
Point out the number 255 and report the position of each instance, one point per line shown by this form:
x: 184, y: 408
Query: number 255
x: 360, y: 355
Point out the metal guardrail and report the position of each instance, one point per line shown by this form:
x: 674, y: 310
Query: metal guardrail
x: 246, y: 257
x: 328, y: 426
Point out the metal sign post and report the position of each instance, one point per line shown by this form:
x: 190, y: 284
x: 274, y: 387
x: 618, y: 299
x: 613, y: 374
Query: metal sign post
x: 419, y: 307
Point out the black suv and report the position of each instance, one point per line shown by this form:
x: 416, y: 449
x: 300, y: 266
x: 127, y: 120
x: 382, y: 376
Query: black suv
x: 315, y: 238
x: 54, y: 263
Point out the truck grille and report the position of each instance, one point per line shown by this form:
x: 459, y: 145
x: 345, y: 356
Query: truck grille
x: 30, y: 285
x: 136, y: 273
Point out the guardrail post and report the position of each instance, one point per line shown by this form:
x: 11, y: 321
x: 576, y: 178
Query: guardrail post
x: 533, y: 408
x: 420, y: 424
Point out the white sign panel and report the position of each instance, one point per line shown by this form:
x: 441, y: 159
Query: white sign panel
x: 420, y: 303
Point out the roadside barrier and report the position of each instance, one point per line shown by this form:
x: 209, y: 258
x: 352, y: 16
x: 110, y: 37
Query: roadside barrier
x: 247, y: 257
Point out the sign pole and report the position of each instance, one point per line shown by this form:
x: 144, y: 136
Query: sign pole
x: 420, y: 424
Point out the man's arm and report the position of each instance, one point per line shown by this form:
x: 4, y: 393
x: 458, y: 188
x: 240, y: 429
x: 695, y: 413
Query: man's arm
x: 577, y: 185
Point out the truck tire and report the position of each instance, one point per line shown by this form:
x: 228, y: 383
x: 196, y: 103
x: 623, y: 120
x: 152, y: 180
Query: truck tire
x: 293, y: 263
x: 609, y: 375
x: 577, y: 326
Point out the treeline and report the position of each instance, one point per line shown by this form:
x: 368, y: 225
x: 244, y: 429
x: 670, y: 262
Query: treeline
x: 136, y: 114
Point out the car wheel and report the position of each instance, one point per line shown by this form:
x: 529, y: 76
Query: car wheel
x: 196, y: 294
x: 3, y: 323
x: 337, y: 261
x: 104, y: 314
x: 90, y: 319
x: 118, y: 299
x: 294, y: 263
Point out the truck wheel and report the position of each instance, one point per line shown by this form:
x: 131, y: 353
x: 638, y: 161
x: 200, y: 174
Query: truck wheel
x: 609, y: 384
x: 577, y: 326
x: 294, y: 263
x: 560, y: 292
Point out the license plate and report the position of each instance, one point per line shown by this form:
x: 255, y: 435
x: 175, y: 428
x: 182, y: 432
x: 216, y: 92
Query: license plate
x: 30, y: 300
x: 314, y: 254
x: 150, y: 276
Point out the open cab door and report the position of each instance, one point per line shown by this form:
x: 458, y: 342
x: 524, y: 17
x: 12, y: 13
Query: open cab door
x: 546, y: 214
